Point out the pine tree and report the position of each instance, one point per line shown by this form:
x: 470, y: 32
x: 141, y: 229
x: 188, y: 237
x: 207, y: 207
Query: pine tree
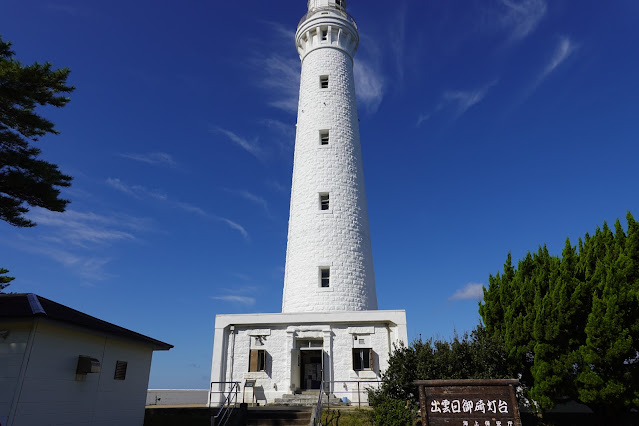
x: 26, y: 180
x: 4, y: 280
x: 571, y: 324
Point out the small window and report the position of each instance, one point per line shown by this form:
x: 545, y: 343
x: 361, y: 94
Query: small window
x: 324, y: 137
x: 324, y: 81
x: 258, y: 360
x: 325, y: 277
x: 120, y: 370
x: 324, y: 201
x: 324, y: 35
x: 363, y: 359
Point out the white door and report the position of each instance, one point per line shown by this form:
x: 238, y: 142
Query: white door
x: 295, y: 369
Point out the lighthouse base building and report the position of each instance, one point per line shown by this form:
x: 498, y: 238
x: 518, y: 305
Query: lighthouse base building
x: 293, y: 352
x: 330, y: 334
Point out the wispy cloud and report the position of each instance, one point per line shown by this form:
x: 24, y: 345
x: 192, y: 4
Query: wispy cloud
x: 251, y: 197
x: 244, y: 300
x: 249, y: 146
x: 283, y: 128
x: 78, y: 240
x: 462, y: 100
x: 82, y: 228
x: 522, y: 16
x: 278, y: 187
x: 285, y: 139
x: 236, y: 226
x: 565, y: 47
x: 283, y: 31
x: 421, y: 118
x: 193, y: 209
x: 369, y: 85
x: 472, y: 291
x: 563, y: 50
x: 282, y: 78
x: 398, y: 41
x: 156, y: 158
x: 136, y: 191
x: 91, y: 268
x: 202, y: 213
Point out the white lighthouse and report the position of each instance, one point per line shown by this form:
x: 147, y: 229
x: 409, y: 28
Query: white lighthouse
x: 329, y: 261
x: 330, y: 334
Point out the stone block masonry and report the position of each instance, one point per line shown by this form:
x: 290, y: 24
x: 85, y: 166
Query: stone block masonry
x: 337, y: 238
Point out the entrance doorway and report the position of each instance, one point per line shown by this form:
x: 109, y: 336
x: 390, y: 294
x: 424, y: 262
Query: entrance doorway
x: 311, y: 369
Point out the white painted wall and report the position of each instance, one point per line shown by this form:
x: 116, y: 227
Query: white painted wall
x: 338, y: 238
x: 279, y: 332
x: 12, y: 356
x: 49, y: 393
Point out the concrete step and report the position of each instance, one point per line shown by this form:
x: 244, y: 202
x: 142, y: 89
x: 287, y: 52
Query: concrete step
x: 266, y: 416
x: 306, y: 399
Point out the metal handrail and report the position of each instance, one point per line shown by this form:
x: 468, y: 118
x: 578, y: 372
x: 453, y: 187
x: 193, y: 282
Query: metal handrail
x: 337, y: 10
x: 224, y: 413
x: 359, y: 390
x: 316, y: 417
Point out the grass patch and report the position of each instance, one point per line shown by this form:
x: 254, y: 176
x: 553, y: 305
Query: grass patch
x: 347, y: 418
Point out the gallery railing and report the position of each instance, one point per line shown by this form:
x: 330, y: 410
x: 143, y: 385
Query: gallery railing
x: 230, y: 401
x: 320, y: 10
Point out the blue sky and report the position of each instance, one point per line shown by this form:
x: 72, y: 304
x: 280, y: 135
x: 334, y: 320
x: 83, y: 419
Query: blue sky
x: 486, y: 127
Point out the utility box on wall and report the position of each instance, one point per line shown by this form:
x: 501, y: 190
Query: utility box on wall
x: 86, y: 365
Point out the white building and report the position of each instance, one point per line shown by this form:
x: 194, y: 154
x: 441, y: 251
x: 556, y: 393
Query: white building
x: 329, y: 328
x: 59, y: 366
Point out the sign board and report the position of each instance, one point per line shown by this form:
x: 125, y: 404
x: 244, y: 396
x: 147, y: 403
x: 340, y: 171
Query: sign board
x: 475, y: 402
x: 249, y: 384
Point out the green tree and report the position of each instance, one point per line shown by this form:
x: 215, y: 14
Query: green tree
x: 26, y: 180
x: 475, y: 355
x: 4, y: 280
x: 570, y: 323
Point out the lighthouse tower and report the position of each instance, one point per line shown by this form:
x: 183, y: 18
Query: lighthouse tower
x: 330, y: 334
x: 329, y: 262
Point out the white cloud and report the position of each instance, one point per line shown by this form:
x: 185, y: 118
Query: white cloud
x: 369, y: 85
x: 244, y: 300
x: 136, y: 191
x: 472, y: 291
x: 251, y: 197
x: 236, y: 226
x: 283, y: 128
x: 81, y: 228
x: 282, y: 76
x: 563, y: 50
x: 463, y: 100
x: 193, y: 209
x: 521, y: 17
x: 421, y: 118
x: 397, y: 41
x: 249, y: 146
x: 158, y: 158
x: 565, y: 47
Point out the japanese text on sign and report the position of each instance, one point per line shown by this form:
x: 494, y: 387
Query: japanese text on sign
x: 468, y: 406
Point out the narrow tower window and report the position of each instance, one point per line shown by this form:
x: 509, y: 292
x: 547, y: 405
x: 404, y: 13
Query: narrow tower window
x: 324, y: 137
x: 324, y: 35
x: 325, y: 277
x: 324, y: 201
x: 324, y: 81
